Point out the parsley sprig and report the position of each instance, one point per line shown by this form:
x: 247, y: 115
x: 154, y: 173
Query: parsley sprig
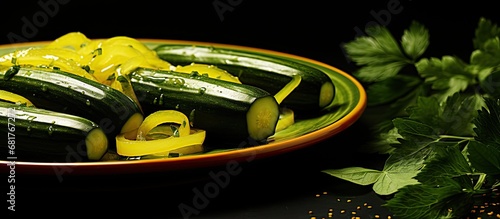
x: 441, y: 127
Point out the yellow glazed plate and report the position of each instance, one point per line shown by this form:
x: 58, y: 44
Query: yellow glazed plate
x: 346, y: 109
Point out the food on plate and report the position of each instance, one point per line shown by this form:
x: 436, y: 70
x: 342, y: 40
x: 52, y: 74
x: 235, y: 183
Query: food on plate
x: 228, y: 111
x: 65, y: 92
x: 117, y: 98
x: 36, y: 134
x: 315, y: 92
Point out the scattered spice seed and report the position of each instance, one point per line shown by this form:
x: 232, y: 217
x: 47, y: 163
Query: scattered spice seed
x: 354, y: 210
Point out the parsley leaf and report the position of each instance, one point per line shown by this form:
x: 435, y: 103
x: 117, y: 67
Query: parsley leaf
x: 391, y: 89
x: 359, y: 175
x: 432, y: 202
x: 488, y: 55
x: 446, y: 76
x: 485, y: 154
x: 488, y: 123
x: 450, y: 162
x: 378, y: 48
x: 376, y: 73
x: 441, y: 132
x: 484, y: 158
x: 385, y: 182
x: 490, y: 84
x: 381, y: 56
x: 485, y: 31
x: 415, y: 40
x: 437, y: 195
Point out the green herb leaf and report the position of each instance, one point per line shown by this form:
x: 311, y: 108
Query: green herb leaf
x: 440, y: 193
x: 485, y: 154
x: 458, y: 113
x: 490, y: 83
x: 376, y: 73
x: 452, y: 118
x: 385, y: 182
x: 382, y: 141
x: 358, y: 175
x: 378, y: 48
x: 415, y: 131
x: 430, y: 202
x: 485, y: 31
x: 447, y: 76
x: 484, y: 158
x: 488, y: 55
x: 391, y: 89
x: 379, y: 54
x: 393, y: 180
x: 415, y: 40
x: 426, y: 110
x: 442, y: 135
x: 488, y: 123
x: 447, y: 162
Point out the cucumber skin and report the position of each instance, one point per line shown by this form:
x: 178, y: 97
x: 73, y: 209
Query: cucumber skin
x: 38, y: 139
x: 64, y: 92
x: 220, y: 109
x: 267, y: 72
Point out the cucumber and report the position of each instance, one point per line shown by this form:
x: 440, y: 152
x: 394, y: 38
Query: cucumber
x: 65, y: 92
x: 39, y: 135
x: 229, y: 112
x: 271, y: 73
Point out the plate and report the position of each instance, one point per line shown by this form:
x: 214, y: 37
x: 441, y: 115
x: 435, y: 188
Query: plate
x: 346, y: 109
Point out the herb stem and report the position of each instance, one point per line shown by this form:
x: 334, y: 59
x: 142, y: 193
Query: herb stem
x: 480, y: 182
x: 456, y: 137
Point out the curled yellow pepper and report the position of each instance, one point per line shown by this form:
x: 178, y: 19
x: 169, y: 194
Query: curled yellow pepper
x: 183, y: 136
x: 211, y: 71
x: 14, y: 98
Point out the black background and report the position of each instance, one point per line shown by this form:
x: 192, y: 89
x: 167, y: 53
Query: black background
x: 280, y: 187
x: 314, y: 29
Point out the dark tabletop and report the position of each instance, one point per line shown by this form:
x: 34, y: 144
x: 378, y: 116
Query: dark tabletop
x: 289, y: 185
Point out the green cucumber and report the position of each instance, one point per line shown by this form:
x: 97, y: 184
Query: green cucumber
x: 271, y: 73
x: 65, y: 92
x: 227, y: 111
x: 39, y: 135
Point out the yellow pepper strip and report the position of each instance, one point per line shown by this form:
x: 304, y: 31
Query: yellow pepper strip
x: 72, y: 40
x: 111, y: 57
x: 212, y: 71
x: 130, y: 42
x: 164, y: 116
x: 89, y: 51
x: 126, y: 147
x: 141, y: 146
x: 14, y: 98
x: 286, y: 119
x: 64, y: 59
x: 288, y: 88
